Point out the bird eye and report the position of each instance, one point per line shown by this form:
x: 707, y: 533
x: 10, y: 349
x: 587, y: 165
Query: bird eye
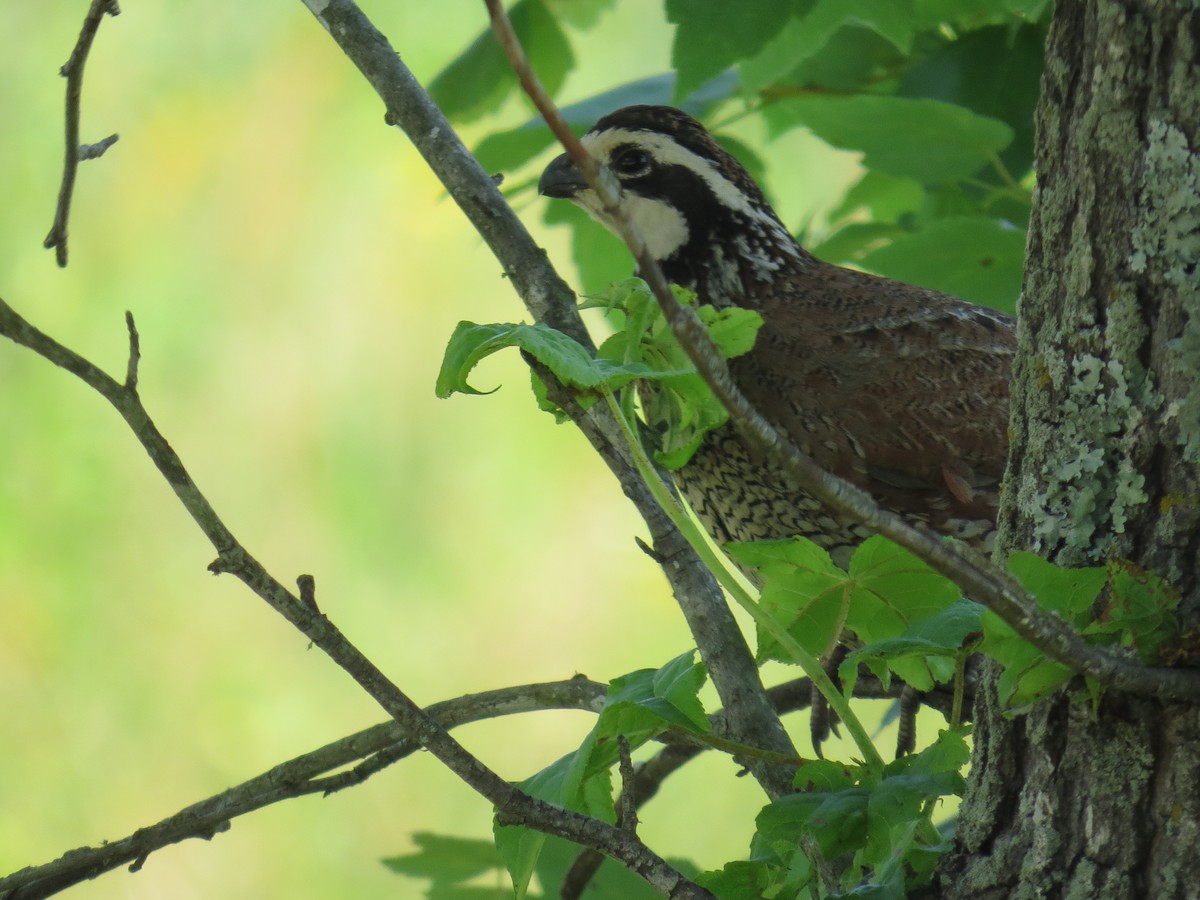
x: 631, y: 161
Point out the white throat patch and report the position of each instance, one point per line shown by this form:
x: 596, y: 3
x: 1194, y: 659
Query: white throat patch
x: 661, y: 225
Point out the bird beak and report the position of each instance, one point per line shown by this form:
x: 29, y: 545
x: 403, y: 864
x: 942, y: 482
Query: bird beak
x: 561, y: 180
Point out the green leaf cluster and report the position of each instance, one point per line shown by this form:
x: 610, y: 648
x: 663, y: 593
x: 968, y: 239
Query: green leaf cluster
x: 639, y: 706
x: 877, y: 828
x: 680, y: 412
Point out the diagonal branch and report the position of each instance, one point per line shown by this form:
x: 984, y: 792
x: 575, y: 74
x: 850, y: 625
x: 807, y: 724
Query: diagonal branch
x: 978, y: 579
x: 73, y: 72
x: 377, y: 747
x: 722, y: 646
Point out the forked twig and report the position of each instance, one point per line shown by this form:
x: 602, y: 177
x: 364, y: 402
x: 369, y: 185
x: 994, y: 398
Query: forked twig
x: 73, y: 72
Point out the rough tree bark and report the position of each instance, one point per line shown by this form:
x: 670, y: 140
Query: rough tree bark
x: 1071, y: 801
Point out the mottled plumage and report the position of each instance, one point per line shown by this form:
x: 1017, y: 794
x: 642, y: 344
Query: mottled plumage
x: 898, y: 389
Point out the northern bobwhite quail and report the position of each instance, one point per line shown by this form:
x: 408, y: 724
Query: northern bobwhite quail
x: 899, y: 389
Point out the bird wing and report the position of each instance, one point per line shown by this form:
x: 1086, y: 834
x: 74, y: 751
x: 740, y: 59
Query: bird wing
x: 887, y: 384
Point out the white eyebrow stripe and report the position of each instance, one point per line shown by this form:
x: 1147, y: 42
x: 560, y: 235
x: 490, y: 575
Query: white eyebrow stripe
x: 669, y: 152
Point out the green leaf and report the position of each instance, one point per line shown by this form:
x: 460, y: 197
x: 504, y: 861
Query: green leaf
x: 802, y: 36
x: 927, y: 140
x: 713, y: 34
x: 612, y: 881
x: 643, y: 703
x: 881, y: 824
x: 885, y: 198
x: 471, y: 343
x: 446, y: 859
x: 837, y: 820
x: 1069, y: 592
x: 582, y: 14
x: 738, y: 879
x: 568, y: 782
x: 481, y: 77
x: 853, y: 59
x: 564, y: 356
x: 1028, y: 674
x: 972, y: 257
x: 893, y: 589
x: 681, y: 409
x: 993, y: 71
x: 852, y: 241
x: 802, y: 589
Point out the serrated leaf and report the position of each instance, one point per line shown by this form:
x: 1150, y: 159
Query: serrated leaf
x: 837, y: 820
x: 887, y: 656
x: 479, y: 79
x: 519, y: 847
x: 973, y: 257
x: 802, y: 589
x: 824, y: 775
x: 1065, y: 591
x: 569, y: 782
x: 643, y: 703
x: 927, y: 140
x: 888, y: 577
x: 711, y: 35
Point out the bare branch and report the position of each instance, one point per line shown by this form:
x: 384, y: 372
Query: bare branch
x: 978, y: 579
x: 378, y: 747
x: 514, y: 806
x: 73, y: 72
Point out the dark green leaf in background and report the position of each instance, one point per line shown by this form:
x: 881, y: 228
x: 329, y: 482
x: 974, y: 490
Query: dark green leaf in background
x: 972, y: 257
x: 927, y: 140
x: 994, y: 71
x: 714, y: 34
x: 481, y: 77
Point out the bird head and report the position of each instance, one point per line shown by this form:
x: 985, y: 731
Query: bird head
x: 685, y: 193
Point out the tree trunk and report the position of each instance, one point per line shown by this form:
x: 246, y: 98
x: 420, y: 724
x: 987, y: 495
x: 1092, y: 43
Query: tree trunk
x: 1071, y: 800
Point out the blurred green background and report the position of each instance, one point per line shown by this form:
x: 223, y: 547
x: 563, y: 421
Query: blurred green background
x: 295, y: 272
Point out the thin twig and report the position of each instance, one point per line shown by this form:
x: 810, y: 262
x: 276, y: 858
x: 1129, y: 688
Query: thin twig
x: 978, y: 579
x: 73, y: 72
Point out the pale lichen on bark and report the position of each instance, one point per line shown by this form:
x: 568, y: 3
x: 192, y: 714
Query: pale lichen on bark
x: 1167, y: 249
